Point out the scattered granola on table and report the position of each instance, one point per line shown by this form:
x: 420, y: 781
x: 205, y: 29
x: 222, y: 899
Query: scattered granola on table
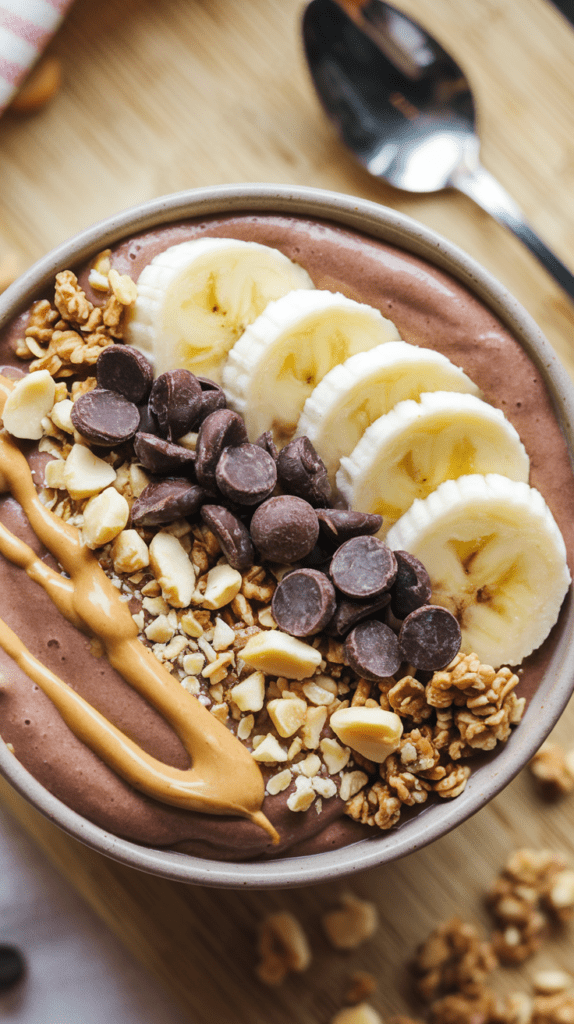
x: 533, y: 894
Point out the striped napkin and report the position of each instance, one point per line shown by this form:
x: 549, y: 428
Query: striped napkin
x: 26, y: 26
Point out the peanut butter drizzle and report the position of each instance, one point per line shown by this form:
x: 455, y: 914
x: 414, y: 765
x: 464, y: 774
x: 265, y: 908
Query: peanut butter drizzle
x: 223, y: 778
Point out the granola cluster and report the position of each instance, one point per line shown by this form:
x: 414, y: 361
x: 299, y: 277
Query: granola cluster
x: 464, y: 708
x: 68, y: 334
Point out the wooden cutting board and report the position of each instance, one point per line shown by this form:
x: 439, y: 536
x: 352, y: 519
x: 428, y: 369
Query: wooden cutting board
x: 162, y: 95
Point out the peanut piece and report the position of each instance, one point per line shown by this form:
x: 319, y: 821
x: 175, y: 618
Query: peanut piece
x: 31, y: 399
x: 172, y: 569
x: 303, y: 796
x: 287, y: 715
x: 325, y: 788
x: 105, y: 516
x: 223, y: 635
x: 311, y: 731
x: 279, y: 654
x: 54, y: 474
x: 269, y: 750
x: 335, y: 756
x: 85, y: 474
x: 317, y: 694
x: 249, y: 695
x: 371, y: 731
x: 124, y: 289
x: 60, y: 416
x: 223, y: 584
x: 351, y: 783
x: 160, y: 630
x: 129, y: 552
x: 310, y: 766
x: 277, y: 783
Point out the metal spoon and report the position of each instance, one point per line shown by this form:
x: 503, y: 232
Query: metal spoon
x: 405, y: 109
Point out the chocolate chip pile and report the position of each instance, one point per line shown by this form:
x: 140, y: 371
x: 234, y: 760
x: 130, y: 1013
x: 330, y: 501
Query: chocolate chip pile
x: 348, y: 580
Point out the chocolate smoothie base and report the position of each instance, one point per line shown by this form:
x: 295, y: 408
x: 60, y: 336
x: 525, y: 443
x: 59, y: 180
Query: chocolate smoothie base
x: 430, y: 309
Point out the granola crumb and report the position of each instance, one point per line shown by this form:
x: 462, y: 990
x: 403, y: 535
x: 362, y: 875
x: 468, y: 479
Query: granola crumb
x: 552, y: 771
x: 360, y: 985
x: 352, y: 923
x: 363, y: 1013
x: 283, y: 948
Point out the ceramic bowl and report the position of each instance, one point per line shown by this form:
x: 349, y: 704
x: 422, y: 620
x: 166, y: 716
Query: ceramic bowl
x: 550, y: 698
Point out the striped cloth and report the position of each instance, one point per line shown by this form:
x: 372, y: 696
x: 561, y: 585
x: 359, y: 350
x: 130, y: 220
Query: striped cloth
x: 26, y: 26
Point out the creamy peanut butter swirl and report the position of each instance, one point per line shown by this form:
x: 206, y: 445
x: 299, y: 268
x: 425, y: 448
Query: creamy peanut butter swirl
x: 223, y: 777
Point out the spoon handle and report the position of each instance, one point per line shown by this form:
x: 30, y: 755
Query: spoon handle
x: 487, y: 192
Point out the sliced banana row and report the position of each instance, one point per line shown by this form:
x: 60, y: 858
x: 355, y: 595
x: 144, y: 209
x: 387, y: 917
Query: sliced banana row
x: 408, y: 452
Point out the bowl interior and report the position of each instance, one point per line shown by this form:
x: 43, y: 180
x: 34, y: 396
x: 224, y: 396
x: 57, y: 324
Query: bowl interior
x: 546, y: 703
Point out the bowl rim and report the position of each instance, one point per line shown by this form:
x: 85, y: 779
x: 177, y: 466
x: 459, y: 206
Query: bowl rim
x: 397, y: 229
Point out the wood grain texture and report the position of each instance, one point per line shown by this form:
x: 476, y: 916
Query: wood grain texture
x: 162, y: 95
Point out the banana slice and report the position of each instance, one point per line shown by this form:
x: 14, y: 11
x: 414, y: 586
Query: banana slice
x: 273, y: 368
x: 496, y: 559
x: 408, y: 452
x: 368, y: 385
x: 195, y: 299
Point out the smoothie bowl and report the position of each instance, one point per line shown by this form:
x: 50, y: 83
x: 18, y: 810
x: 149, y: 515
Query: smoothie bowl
x: 286, y: 525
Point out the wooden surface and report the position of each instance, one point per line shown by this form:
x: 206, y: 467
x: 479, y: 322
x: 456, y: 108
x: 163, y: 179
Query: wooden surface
x: 161, y: 95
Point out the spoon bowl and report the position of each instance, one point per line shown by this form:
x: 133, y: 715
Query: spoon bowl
x: 405, y: 109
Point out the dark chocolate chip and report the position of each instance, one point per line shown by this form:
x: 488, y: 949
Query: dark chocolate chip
x: 303, y: 602
x: 12, y: 967
x: 372, y: 650
x: 339, y: 525
x: 212, y: 398
x: 125, y: 369
x: 430, y: 638
x: 363, y: 567
x: 175, y: 399
x: 349, y: 613
x: 246, y: 474
x: 161, y: 456
x: 104, y: 417
x: 302, y: 472
x: 232, y: 535
x: 266, y: 442
x: 221, y: 429
x: 164, y: 501
x: 148, y: 422
x: 284, y: 528
x: 319, y: 559
x: 412, y: 587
